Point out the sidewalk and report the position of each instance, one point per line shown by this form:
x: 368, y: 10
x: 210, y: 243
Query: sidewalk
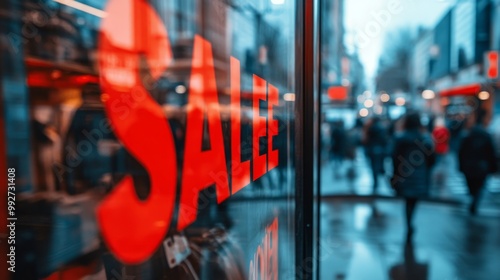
x: 367, y: 241
x: 448, y: 183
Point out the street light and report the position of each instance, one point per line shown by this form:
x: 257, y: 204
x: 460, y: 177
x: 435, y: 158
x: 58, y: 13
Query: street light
x: 180, y: 89
x: 428, y: 94
x: 400, y: 101
x: 346, y: 82
x: 483, y: 95
x: 368, y: 103
x: 363, y: 112
x: 289, y: 96
x: 385, y: 97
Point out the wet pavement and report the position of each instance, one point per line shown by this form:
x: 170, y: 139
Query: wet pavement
x: 361, y: 240
x: 448, y: 184
x: 363, y: 233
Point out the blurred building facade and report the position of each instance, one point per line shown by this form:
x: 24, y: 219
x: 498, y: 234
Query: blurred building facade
x: 450, y: 58
x: 421, y: 55
x: 342, y: 73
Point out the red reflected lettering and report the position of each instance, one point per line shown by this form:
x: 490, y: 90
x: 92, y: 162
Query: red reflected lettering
x: 272, y: 155
x: 132, y: 228
x: 240, y: 171
x: 202, y: 168
x: 265, y: 261
x: 259, y: 127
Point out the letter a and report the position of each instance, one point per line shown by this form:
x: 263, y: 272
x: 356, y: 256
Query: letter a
x: 202, y: 168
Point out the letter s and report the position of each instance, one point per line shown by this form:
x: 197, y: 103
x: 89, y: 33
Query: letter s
x: 132, y: 228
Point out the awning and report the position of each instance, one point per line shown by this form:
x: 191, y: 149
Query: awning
x: 466, y: 90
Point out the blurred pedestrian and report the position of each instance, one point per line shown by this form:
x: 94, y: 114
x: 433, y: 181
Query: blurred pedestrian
x: 338, y: 143
x: 476, y: 157
x: 432, y: 123
x: 353, y: 141
x: 456, y: 126
x: 46, y: 147
x: 376, y: 148
x: 441, y: 137
x: 413, y: 157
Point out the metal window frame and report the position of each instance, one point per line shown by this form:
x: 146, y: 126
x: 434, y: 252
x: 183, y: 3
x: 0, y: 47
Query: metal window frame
x: 307, y: 113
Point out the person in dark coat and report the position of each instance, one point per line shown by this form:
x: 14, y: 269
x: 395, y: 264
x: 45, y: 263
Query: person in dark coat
x: 413, y: 156
x: 338, y: 145
x: 476, y: 156
x: 376, y: 148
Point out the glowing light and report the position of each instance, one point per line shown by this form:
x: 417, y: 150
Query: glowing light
x: 180, y: 89
x: 428, y: 94
x: 289, y: 96
x: 345, y: 82
x: 83, y: 7
x: 400, y: 101
x: 385, y: 97
x: 434, y: 50
x: 363, y: 112
x: 56, y: 74
x: 104, y: 97
x: 483, y: 95
x: 367, y: 93
x: 368, y: 103
x: 361, y: 99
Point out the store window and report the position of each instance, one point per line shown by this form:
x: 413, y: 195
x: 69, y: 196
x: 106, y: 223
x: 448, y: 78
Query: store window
x: 151, y: 139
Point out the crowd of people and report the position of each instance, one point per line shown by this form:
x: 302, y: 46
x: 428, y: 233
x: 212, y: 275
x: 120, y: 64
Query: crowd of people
x: 415, y: 148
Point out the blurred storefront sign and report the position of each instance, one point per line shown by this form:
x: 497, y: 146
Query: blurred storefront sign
x: 338, y: 93
x: 463, y: 100
x: 491, y: 64
x: 461, y: 90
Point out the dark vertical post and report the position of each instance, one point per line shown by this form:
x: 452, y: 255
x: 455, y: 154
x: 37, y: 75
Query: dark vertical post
x: 15, y: 147
x: 3, y: 190
x: 307, y: 123
x: 14, y: 93
x: 317, y: 140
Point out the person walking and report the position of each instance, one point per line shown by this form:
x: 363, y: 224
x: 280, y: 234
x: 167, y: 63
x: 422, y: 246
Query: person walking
x: 353, y: 141
x: 476, y: 157
x: 413, y: 156
x: 441, y: 137
x: 338, y: 146
x: 376, y: 148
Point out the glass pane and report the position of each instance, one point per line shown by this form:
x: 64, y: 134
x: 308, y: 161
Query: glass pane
x: 410, y: 139
x: 150, y: 139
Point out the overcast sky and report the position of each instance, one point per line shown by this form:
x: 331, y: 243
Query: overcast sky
x: 361, y: 15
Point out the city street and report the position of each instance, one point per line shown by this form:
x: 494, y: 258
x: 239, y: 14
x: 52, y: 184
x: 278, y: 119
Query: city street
x: 366, y: 240
x: 363, y: 234
x: 448, y: 183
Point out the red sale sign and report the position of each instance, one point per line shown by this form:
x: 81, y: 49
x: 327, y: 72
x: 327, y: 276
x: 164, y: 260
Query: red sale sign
x: 130, y: 34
